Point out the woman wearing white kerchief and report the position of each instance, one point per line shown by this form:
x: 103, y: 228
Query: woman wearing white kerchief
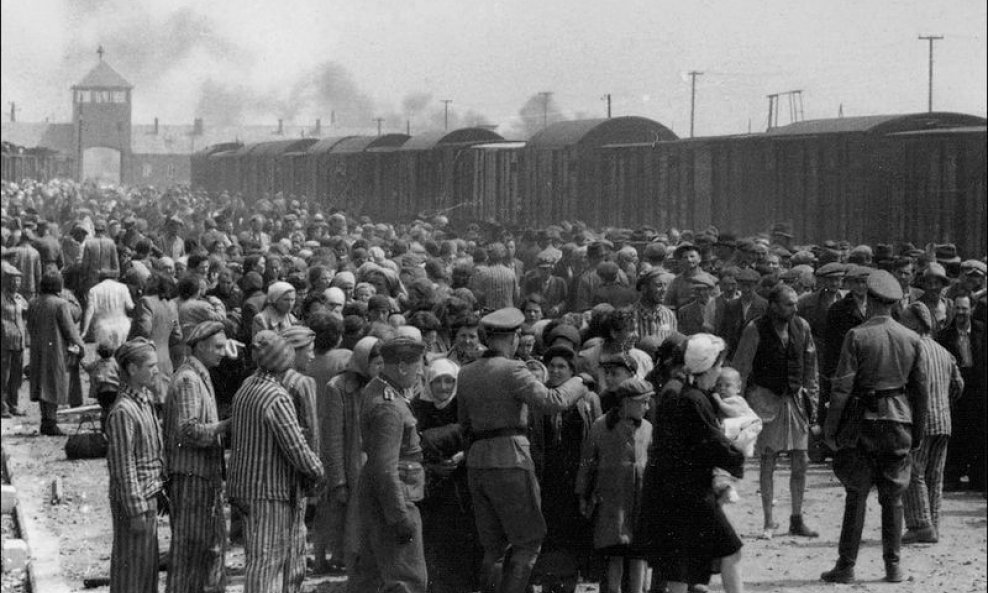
x: 277, y: 313
x: 451, y: 548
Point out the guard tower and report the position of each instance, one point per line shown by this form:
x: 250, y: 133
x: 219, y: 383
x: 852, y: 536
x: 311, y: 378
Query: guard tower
x: 101, y: 115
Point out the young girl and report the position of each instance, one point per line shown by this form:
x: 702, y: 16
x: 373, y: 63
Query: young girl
x: 741, y: 425
x: 609, y: 482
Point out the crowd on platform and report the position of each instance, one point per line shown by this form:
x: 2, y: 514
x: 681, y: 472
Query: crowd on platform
x: 468, y: 407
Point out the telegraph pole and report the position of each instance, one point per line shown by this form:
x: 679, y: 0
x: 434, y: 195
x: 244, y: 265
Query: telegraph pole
x: 693, y: 75
x: 446, y: 103
x: 379, y: 120
x: 545, y: 108
x: 931, y: 39
x: 607, y: 98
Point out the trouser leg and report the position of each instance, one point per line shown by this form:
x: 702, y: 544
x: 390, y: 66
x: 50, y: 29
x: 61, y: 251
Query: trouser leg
x: 134, y: 556
x: 11, y: 376
x: 267, y: 546
x: 854, y: 470
x: 49, y: 414
x: 198, y: 543
x: 892, y: 445
x: 934, y: 476
x: 916, y: 501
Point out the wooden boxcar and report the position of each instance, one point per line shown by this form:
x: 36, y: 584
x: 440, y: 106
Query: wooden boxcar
x: 495, y: 173
x: 360, y: 173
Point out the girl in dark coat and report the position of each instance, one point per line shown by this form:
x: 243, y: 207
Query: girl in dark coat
x: 683, y: 529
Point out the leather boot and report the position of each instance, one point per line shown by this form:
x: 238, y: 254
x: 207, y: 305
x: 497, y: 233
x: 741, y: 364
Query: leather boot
x: 841, y: 573
x: 517, y: 572
x: 894, y: 573
x: 797, y: 527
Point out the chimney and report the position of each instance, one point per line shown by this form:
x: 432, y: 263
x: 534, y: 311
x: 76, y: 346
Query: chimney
x: 155, y: 126
x: 318, y: 131
x: 281, y: 127
x: 13, y: 112
x: 197, y: 126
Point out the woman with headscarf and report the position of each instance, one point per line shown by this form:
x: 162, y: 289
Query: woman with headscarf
x: 683, y: 529
x: 339, y: 422
x: 156, y: 319
x: 451, y: 548
x: 555, y: 440
x: 277, y: 313
x: 52, y: 333
x: 135, y: 459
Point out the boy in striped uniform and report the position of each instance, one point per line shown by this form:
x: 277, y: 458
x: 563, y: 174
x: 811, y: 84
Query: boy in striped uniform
x: 194, y: 437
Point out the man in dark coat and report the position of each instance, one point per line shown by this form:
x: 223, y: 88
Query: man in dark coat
x: 965, y: 339
x: 741, y: 310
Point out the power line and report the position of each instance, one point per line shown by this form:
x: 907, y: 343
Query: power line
x: 931, y: 39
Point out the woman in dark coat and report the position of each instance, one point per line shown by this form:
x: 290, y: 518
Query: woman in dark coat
x: 52, y: 332
x: 683, y: 529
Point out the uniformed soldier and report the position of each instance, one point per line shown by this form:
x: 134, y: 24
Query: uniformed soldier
x: 881, y: 372
x: 194, y: 451
x: 390, y: 555
x: 495, y: 393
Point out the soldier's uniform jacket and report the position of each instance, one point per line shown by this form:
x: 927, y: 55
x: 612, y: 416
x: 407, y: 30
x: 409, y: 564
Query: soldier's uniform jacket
x: 393, y: 474
x: 192, y: 431
x: 494, y: 396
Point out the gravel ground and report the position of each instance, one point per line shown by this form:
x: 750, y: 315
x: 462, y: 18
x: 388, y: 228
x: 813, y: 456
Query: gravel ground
x: 783, y: 564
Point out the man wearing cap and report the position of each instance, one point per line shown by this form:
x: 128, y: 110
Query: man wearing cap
x: 651, y: 317
x: 610, y: 290
x: 495, y: 393
x: 172, y: 245
x: 390, y: 555
x: 680, y: 291
x: 654, y: 257
x: 972, y: 280
x: 881, y: 366
x: 698, y: 315
x: 98, y: 253
x: 739, y: 312
x: 777, y: 361
x: 585, y: 285
x: 271, y: 467
x: 71, y: 244
x: 844, y: 314
x: 194, y: 444
x: 933, y: 280
x: 299, y: 384
x: 48, y: 248
x: 542, y: 281
x: 14, y: 308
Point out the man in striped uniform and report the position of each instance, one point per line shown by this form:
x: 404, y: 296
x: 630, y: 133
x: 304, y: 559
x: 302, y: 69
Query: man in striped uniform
x: 390, y: 555
x: 270, y: 469
x: 301, y: 387
x: 194, y: 445
x: 945, y: 384
x: 137, y: 472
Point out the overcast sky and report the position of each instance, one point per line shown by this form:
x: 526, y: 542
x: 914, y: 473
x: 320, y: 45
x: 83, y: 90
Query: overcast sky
x: 236, y: 61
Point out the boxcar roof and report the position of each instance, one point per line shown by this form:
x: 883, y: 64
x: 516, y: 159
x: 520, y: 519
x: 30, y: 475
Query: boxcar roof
x: 276, y: 147
x: 429, y: 140
x: 598, y: 132
x: 878, y: 124
x: 355, y: 144
x: 327, y: 144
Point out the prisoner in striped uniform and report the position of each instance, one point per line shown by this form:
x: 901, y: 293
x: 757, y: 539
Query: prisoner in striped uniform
x: 271, y: 467
x: 301, y: 387
x: 194, y: 445
x: 137, y: 472
x: 922, y: 499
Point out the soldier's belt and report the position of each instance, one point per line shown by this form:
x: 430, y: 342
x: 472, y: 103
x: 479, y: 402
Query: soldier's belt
x: 483, y: 435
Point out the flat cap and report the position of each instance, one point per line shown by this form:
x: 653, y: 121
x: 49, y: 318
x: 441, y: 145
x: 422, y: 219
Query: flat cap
x: 803, y: 257
x: 935, y: 270
x: 632, y: 387
x: 298, y: 336
x: 402, y: 348
x: 703, y: 279
x: 974, y: 267
x: 546, y: 258
x: 204, y: 330
x: 760, y: 248
x: 856, y: 272
x: 830, y: 270
x: 504, y: 320
x: 567, y: 332
x: 947, y: 253
x: 884, y: 287
x: 749, y: 275
x: 684, y: 248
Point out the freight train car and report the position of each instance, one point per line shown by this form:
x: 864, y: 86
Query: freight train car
x: 361, y: 174
x: 866, y: 179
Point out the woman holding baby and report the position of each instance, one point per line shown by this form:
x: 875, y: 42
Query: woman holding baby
x: 683, y: 531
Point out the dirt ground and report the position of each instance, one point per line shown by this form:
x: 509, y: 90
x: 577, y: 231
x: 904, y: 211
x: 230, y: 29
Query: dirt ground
x: 81, y: 523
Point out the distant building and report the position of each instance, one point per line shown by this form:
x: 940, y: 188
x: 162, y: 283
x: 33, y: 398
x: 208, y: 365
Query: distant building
x: 103, y: 142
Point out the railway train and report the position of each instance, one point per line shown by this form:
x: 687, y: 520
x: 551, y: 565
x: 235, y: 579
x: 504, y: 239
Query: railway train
x: 918, y: 177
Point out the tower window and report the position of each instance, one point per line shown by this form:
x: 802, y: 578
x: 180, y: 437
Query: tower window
x: 119, y: 97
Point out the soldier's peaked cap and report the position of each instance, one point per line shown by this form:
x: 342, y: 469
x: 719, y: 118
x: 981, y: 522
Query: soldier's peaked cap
x: 504, y: 320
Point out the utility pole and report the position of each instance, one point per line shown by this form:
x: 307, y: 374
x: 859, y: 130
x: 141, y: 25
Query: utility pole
x: 693, y: 75
x: 379, y: 120
x: 408, y: 127
x: 13, y: 112
x: 446, y: 103
x: 545, y: 108
x: 931, y: 39
x: 607, y: 98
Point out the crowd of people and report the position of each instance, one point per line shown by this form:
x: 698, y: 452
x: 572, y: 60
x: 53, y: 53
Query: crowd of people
x: 467, y: 407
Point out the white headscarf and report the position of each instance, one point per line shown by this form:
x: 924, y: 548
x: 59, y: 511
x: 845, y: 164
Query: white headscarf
x: 441, y: 367
x: 702, y: 351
